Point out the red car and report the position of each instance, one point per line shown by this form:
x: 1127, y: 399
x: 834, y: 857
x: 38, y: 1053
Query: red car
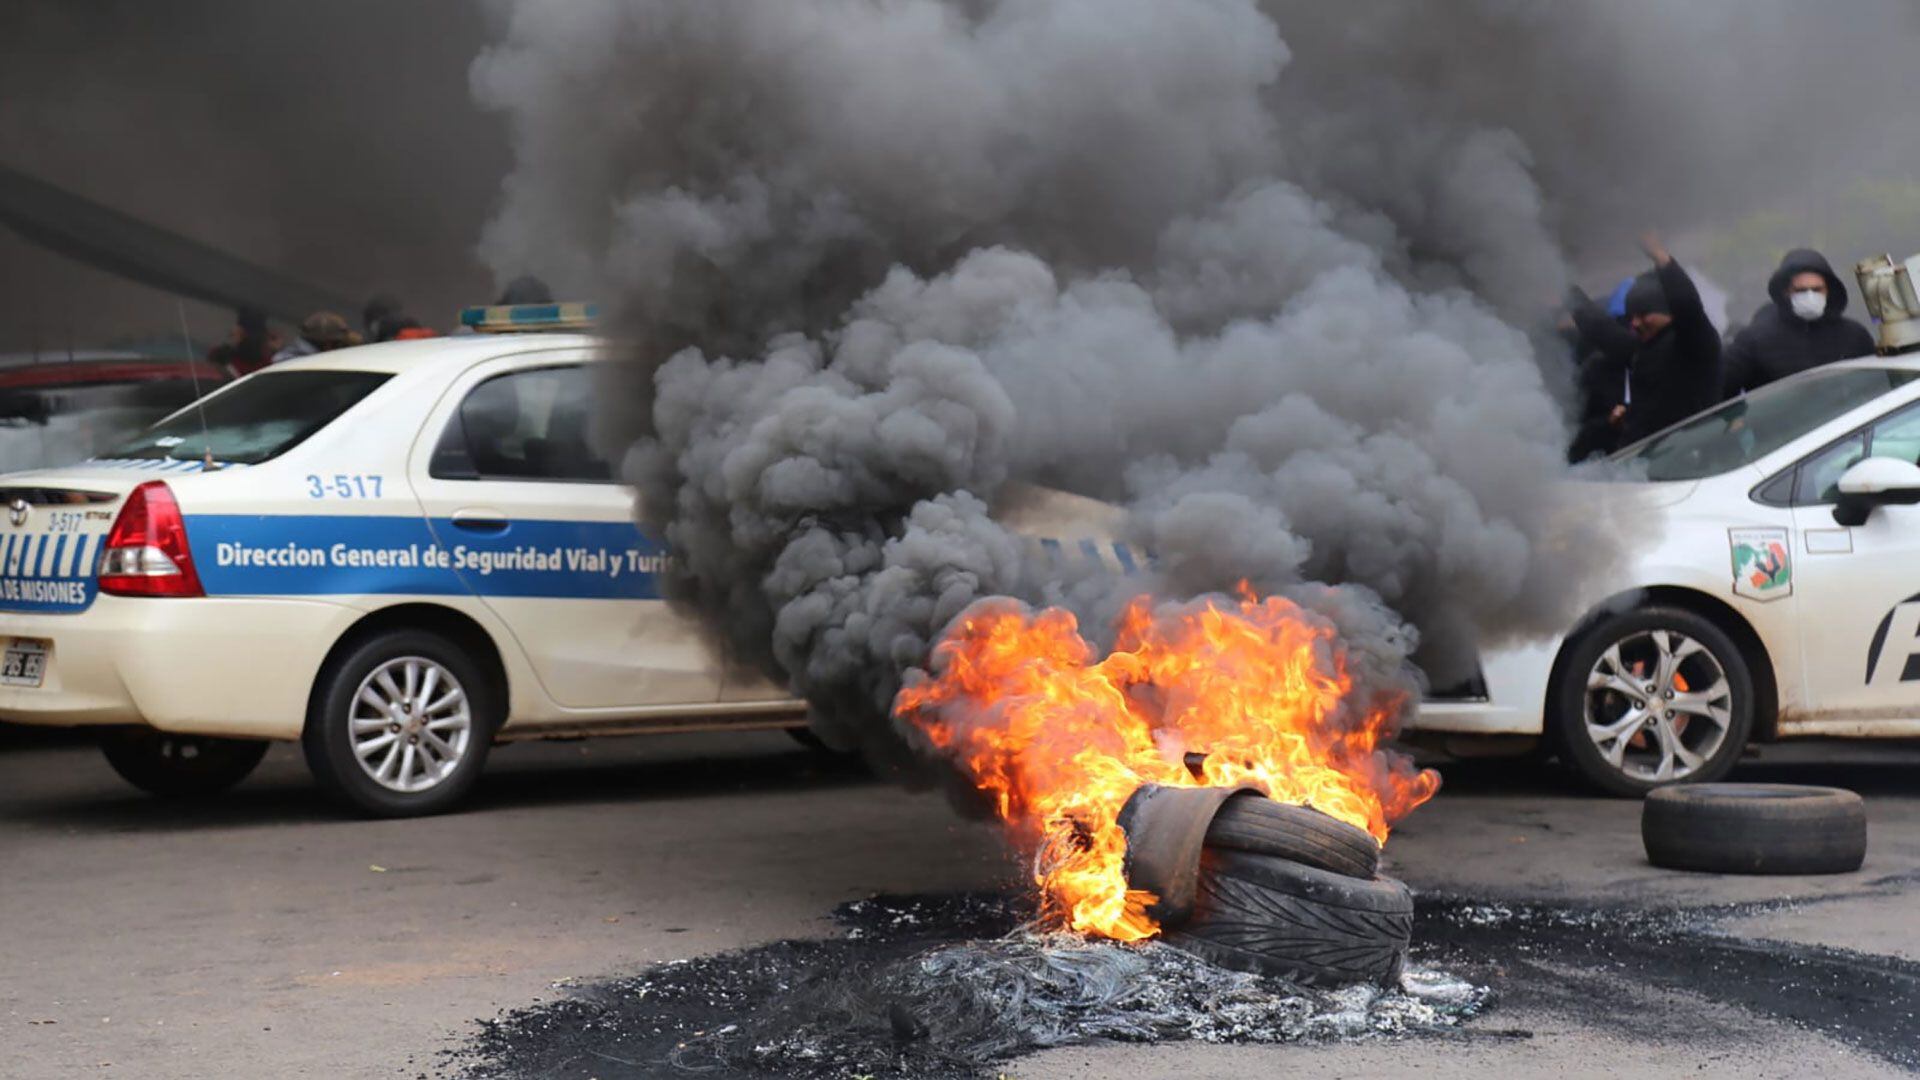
x: 58, y: 408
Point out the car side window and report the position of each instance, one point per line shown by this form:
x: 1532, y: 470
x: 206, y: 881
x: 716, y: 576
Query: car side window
x: 1819, y: 479
x: 524, y: 425
x: 1898, y: 436
x: 1816, y: 480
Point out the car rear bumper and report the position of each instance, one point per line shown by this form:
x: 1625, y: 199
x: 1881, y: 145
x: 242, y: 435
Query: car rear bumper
x: 208, y: 666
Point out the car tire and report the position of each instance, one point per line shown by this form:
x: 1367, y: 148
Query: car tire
x: 1257, y: 825
x: 1755, y: 829
x: 1624, y: 712
x: 805, y: 737
x: 1270, y: 916
x: 439, y: 708
x: 179, y: 766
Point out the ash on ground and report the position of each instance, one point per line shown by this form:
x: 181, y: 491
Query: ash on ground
x: 931, y: 987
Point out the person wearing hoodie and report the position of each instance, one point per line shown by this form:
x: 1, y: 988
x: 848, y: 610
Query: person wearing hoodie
x: 1675, y: 372
x: 1601, y: 347
x: 1804, y: 326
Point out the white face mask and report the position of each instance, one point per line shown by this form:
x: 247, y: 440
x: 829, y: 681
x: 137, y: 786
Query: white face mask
x: 1809, y: 304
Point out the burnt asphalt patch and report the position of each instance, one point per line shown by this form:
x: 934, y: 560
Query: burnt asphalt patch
x: 927, y: 987
x: 942, y: 987
x: 1578, y: 960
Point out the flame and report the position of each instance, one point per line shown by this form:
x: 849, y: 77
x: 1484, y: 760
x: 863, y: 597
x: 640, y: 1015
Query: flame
x: 1059, y: 740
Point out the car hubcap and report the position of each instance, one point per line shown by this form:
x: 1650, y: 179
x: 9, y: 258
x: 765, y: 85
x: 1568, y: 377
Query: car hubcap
x: 410, y: 724
x: 1658, y: 705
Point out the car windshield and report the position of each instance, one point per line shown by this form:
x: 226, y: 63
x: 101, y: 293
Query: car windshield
x: 1748, y: 428
x: 259, y: 418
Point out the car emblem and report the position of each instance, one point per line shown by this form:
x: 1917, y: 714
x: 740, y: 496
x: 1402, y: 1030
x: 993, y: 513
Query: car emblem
x: 17, y: 512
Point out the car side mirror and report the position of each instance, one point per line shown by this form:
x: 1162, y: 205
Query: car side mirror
x: 1876, y: 481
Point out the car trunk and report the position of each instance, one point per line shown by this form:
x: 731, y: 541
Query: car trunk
x: 54, y: 523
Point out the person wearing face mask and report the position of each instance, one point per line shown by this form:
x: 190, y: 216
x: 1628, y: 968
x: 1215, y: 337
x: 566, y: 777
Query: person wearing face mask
x: 1675, y: 371
x: 1802, y: 327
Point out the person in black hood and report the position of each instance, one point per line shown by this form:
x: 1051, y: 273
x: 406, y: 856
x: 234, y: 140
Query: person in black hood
x: 1676, y: 370
x: 1804, y: 326
x: 1601, y: 347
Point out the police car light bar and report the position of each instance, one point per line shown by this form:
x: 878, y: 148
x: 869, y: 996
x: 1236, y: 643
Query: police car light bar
x: 521, y: 318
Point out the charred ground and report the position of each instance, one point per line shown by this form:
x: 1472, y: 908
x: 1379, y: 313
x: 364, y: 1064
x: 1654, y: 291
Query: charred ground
x: 945, y: 986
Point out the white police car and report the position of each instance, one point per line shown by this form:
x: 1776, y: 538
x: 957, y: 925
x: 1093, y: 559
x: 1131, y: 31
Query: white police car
x: 397, y: 554
x: 1772, y: 590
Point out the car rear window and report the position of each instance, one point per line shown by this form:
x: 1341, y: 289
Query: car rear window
x: 257, y: 419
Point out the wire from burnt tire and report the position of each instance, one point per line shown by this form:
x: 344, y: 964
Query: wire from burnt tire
x: 1255, y: 824
x: 1755, y: 829
x: 1269, y: 916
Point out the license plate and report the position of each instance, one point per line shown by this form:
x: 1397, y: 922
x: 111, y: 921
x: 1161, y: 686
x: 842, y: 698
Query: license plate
x: 25, y: 662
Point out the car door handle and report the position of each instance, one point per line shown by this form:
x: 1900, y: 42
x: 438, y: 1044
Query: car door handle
x: 480, y: 521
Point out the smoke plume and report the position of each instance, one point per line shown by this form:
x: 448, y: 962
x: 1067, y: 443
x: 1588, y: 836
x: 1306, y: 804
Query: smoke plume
x: 1263, y: 272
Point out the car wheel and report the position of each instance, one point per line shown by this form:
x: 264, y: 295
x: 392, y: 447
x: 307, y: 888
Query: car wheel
x: 401, y: 724
x: 1649, y: 698
x: 1271, y: 916
x: 179, y: 766
x: 1755, y: 829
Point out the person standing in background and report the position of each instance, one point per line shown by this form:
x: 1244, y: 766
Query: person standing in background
x: 1803, y: 326
x: 250, y: 345
x: 1676, y: 370
x: 322, y: 331
x: 1602, y: 347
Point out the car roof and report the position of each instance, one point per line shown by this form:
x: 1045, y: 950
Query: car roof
x: 454, y: 351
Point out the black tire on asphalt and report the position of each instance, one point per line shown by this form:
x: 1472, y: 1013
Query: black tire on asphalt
x: 1566, y: 698
x: 327, y: 739
x: 1255, y: 824
x: 179, y: 766
x: 1273, y: 917
x: 805, y: 737
x: 1755, y: 829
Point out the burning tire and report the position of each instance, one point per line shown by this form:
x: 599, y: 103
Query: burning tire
x: 1270, y: 916
x: 1755, y: 829
x: 179, y: 766
x: 1649, y: 698
x: 1260, y: 826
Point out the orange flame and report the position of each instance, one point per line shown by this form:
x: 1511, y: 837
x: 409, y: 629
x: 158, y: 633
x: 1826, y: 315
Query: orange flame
x: 1059, y: 741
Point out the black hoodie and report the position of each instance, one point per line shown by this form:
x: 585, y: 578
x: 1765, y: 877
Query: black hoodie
x: 1677, y: 373
x: 1778, y: 343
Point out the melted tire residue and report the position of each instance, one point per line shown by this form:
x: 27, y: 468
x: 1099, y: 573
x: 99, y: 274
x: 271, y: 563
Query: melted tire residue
x: 928, y: 987
x: 1865, y: 1001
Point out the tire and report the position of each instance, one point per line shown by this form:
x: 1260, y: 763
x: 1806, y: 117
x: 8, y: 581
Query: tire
x: 437, y: 755
x: 179, y: 766
x: 805, y: 737
x: 1691, y: 736
x: 1259, y: 826
x: 1755, y: 829
x: 1273, y: 917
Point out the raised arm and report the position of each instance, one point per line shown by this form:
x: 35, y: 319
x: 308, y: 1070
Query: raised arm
x: 1690, y: 323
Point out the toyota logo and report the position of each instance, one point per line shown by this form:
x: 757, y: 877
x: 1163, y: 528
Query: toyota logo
x: 17, y: 512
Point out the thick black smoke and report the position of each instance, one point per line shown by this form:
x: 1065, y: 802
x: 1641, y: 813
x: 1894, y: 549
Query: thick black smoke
x: 337, y: 142
x: 1260, y: 271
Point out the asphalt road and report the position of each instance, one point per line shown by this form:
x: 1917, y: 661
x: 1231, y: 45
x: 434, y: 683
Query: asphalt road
x: 264, y: 935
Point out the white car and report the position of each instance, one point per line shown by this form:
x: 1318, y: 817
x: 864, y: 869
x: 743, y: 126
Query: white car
x: 397, y: 554
x: 1771, y: 590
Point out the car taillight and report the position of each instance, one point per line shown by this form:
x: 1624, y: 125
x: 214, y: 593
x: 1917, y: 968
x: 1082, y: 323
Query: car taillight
x: 146, y: 552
